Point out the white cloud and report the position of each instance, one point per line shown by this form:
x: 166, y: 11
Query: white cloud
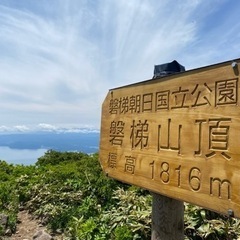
x: 14, y: 129
x: 47, y: 127
x: 4, y: 128
x: 59, y: 58
x: 21, y: 128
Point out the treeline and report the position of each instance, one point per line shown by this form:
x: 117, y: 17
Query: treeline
x: 69, y: 193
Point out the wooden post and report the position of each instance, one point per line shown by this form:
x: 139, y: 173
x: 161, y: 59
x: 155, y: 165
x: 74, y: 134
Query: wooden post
x: 167, y: 213
x: 167, y: 218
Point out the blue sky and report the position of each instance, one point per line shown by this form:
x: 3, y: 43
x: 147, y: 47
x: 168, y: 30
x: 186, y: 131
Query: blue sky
x: 58, y: 58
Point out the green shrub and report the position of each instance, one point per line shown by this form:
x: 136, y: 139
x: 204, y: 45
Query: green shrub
x: 204, y: 224
x: 52, y: 157
x: 123, y: 233
x: 69, y: 191
x: 5, y: 171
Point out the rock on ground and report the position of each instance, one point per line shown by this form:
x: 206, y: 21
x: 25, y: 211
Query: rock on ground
x: 42, y: 235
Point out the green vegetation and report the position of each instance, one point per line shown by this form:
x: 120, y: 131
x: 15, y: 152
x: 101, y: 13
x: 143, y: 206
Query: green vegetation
x: 70, y: 194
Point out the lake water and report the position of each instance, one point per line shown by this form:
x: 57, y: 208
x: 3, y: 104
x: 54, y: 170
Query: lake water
x: 21, y: 156
x: 26, y: 148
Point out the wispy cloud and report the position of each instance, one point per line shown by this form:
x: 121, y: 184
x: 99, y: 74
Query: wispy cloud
x: 17, y: 128
x: 45, y: 127
x: 59, y: 58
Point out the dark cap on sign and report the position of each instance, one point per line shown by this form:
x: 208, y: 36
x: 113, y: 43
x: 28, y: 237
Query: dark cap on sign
x: 167, y: 69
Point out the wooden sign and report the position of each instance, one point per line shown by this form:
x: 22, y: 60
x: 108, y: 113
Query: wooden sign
x: 178, y: 136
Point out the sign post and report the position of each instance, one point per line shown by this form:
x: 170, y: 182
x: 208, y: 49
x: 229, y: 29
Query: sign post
x: 177, y: 136
x: 167, y: 213
x: 167, y: 218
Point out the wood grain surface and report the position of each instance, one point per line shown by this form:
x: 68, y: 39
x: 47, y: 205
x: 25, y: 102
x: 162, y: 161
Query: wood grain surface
x: 178, y: 136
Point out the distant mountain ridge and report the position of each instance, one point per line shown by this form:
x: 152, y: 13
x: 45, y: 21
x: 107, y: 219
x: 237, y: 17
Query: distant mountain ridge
x: 84, y: 141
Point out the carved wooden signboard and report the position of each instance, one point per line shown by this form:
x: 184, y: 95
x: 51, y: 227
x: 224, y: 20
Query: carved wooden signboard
x: 178, y: 136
